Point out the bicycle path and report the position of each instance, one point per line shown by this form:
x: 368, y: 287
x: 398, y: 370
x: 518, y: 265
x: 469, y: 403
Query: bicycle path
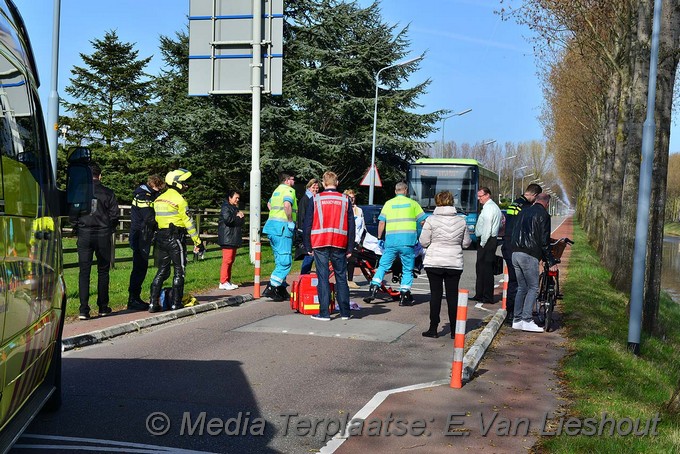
x: 507, y: 404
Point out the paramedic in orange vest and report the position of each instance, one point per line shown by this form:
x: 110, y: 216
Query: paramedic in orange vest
x: 328, y: 233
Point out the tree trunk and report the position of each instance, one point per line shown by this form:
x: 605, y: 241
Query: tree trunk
x: 638, y: 64
x: 618, y: 146
x: 668, y: 63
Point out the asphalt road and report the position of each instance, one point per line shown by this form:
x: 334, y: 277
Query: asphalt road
x: 255, y: 378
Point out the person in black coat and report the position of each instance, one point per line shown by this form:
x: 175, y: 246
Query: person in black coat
x: 229, y: 236
x: 142, y: 228
x: 95, y: 232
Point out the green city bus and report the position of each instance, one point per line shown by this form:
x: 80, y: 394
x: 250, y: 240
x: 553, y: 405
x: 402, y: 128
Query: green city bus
x: 462, y: 177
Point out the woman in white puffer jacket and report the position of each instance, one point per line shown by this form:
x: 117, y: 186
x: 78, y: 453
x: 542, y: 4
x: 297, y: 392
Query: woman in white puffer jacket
x: 444, y: 235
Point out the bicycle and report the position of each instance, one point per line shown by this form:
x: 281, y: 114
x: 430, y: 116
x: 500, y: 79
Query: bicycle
x: 549, y: 286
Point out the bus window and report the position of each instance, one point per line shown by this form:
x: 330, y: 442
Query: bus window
x: 21, y: 167
x: 426, y: 180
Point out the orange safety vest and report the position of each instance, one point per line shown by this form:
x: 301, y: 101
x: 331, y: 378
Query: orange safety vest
x: 329, y: 227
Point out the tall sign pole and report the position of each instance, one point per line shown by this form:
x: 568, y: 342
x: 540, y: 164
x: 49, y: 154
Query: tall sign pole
x: 236, y: 47
x: 53, y: 100
x: 255, y: 173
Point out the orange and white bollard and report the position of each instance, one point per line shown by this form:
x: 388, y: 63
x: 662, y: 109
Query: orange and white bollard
x: 256, y: 280
x: 459, y: 340
x: 504, y: 301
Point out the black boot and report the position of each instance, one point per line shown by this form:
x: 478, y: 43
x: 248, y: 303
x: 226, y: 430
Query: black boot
x: 282, y: 292
x: 155, y: 305
x: 432, y: 332
x: 372, y: 291
x: 135, y: 303
x: 268, y: 291
x: 406, y: 299
x: 277, y: 295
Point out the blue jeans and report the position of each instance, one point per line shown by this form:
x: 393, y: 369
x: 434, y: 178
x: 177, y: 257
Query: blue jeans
x: 407, y: 256
x: 337, y: 258
x: 526, y: 269
x: 306, y: 266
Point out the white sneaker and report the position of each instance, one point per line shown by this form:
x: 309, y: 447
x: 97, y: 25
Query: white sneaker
x: 320, y: 318
x: 346, y: 318
x: 532, y: 327
x: 517, y: 325
x: 233, y: 286
x: 228, y: 286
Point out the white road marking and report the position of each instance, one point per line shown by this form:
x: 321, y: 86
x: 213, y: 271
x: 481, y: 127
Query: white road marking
x: 337, y: 441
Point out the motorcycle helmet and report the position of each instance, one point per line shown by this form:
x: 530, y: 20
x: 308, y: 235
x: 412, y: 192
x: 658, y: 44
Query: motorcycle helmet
x: 177, y: 179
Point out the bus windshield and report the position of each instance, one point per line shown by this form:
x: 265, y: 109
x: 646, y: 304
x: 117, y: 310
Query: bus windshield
x: 426, y: 180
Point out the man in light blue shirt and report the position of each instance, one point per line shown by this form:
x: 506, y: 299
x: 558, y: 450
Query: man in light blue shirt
x: 486, y: 230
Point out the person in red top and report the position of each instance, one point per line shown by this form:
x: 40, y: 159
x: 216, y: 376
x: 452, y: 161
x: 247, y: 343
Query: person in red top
x: 328, y: 233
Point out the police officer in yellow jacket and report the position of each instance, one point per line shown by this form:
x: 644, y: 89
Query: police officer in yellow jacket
x: 280, y: 228
x: 173, y: 225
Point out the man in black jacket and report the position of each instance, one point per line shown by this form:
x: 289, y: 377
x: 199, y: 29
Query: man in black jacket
x: 142, y: 227
x: 511, y: 215
x: 530, y: 243
x: 94, y: 237
x: 311, y: 190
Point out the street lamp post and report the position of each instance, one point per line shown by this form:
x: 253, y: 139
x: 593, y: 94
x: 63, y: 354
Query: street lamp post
x: 499, y: 175
x: 444, y: 123
x: 524, y: 176
x: 371, y: 187
x: 53, y: 100
x: 513, y: 179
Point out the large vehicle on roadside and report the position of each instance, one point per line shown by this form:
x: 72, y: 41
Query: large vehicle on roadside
x: 32, y: 289
x: 462, y: 177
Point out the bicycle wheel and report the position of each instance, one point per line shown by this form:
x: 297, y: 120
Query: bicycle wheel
x: 540, y: 298
x: 540, y: 313
x: 549, y: 306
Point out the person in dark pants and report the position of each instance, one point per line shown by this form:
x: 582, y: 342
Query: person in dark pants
x: 174, y: 224
x: 142, y: 227
x: 95, y: 232
x: 444, y: 234
x: 512, y: 213
x: 328, y: 232
x: 486, y: 230
x: 311, y: 190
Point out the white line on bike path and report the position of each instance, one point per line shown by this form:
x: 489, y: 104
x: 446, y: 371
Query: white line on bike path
x: 371, y: 406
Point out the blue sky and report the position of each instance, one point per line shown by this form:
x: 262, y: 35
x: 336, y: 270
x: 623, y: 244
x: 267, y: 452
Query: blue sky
x: 474, y: 59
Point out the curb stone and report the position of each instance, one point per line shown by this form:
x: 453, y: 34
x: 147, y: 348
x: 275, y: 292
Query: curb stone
x: 95, y: 337
x: 474, y: 355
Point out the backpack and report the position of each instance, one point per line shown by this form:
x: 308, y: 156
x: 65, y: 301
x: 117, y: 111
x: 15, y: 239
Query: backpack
x: 166, y: 299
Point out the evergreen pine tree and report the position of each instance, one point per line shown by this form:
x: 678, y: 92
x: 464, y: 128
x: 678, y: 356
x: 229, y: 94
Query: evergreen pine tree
x: 107, y: 91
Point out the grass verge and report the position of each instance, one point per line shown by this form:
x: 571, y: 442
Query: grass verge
x: 200, y: 276
x: 672, y: 228
x: 599, y: 374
